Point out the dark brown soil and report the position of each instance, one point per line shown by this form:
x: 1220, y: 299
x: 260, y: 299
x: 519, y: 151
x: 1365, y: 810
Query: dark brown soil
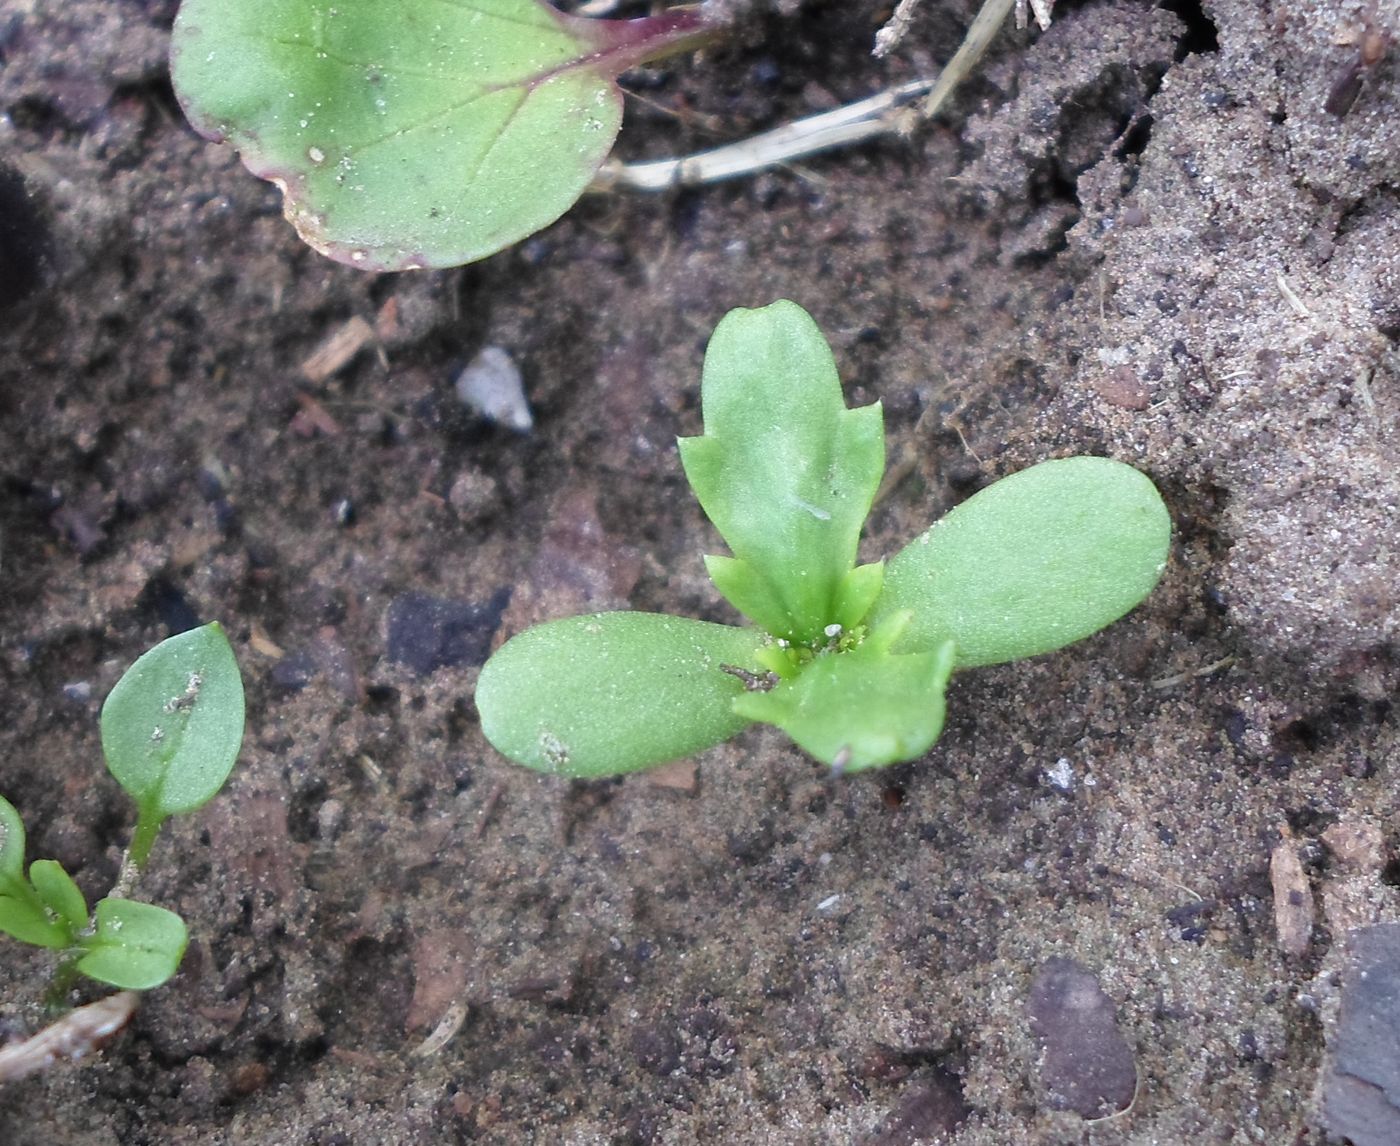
x: 1139, y: 233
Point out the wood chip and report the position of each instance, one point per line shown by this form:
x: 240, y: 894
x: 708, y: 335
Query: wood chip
x: 386, y: 322
x: 337, y: 349
x: 679, y: 775
x: 263, y: 645
x: 313, y: 418
x: 444, y: 1032
x: 1293, y: 901
x: 439, y: 981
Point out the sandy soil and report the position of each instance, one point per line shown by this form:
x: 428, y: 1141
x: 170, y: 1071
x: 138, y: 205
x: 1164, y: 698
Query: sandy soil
x: 1139, y: 233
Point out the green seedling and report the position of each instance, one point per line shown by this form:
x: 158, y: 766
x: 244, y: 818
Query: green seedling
x: 422, y: 133
x: 852, y: 661
x: 171, y: 731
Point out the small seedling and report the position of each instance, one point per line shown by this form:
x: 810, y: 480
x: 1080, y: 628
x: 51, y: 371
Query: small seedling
x: 171, y: 731
x: 423, y: 133
x: 850, y: 660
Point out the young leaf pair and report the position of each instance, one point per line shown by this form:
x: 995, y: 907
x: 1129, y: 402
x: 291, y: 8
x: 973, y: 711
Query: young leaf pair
x: 171, y: 731
x: 852, y: 661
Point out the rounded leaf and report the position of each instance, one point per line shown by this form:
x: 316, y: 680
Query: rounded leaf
x: 136, y: 946
x: 405, y: 136
x: 173, y: 725
x: 608, y: 693
x: 1033, y: 562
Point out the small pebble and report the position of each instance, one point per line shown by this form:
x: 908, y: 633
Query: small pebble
x: 293, y: 672
x: 491, y: 385
x: 656, y: 1048
x: 329, y: 818
x: 1088, y: 1065
x: 930, y: 1108
x: 428, y: 633
x: 472, y: 493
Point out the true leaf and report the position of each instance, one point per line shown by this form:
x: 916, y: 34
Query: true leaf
x: 784, y: 471
x: 864, y: 708
x: 414, y: 135
x: 608, y: 693
x: 136, y: 946
x: 172, y: 727
x: 1033, y: 562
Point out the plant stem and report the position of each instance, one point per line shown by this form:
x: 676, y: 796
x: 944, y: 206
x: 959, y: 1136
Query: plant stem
x: 61, y: 983
x: 886, y: 113
x: 147, y: 827
x: 625, y: 44
x: 852, y: 123
x: 651, y: 38
x: 980, y: 34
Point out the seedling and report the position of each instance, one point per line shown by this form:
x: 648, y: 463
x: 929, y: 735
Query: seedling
x: 425, y: 133
x: 852, y: 661
x: 171, y: 730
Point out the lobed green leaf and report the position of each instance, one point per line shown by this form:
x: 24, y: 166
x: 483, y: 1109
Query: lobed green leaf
x: 412, y: 135
x: 608, y: 693
x: 136, y: 946
x: 1033, y: 562
x: 864, y: 708
x: 784, y: 470
x: 172, y: 725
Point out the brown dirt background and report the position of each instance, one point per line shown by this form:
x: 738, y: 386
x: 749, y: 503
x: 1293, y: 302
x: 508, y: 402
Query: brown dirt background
x: 1086, y: 254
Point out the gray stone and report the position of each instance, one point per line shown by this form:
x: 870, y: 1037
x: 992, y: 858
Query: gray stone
x: 1361, y: 1087
x: 1087, y: 1065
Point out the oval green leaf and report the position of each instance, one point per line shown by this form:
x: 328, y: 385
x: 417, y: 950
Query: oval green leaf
x: 609, y: 693
x: 1033, y: 562
x: 136, y: 946
x: 173, y: 725
x: 406, y: 136
x: 23, y: 915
